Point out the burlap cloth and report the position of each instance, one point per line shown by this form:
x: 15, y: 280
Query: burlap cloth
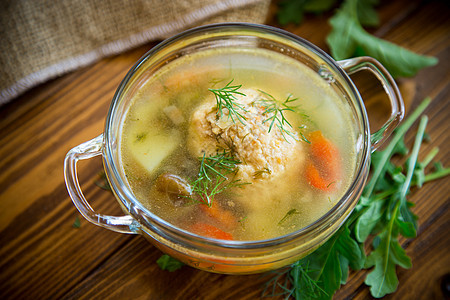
x: 41, y: 39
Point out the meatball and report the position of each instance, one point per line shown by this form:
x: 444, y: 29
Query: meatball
x: 263, y: 154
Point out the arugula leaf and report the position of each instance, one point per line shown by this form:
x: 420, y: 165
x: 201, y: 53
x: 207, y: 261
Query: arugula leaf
x: 168, y: 263
x: 76, y: 223
x: 351, y: 250
x: 406, y: 228
x: 344, y: 265
x: 405, y: 212
x: 291, y: 11
x: 388, y: 253
x: 419, y: 172
x: 385, y: 213
x: 347, y: 36
x: 327, y: 267
x: 319, y: 6
x: 440, y: 171
x: 379, y: 170
x: 367, y: 15
x: 369, y: 219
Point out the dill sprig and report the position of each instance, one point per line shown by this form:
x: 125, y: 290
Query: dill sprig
x: 294, y: 281
x: 274, y: 110
x: 222, y: 161
x: 226, y: 99
x: 288, y: 214
x: 302, y: 136
x: 259, y: 173
x: 213, y: 176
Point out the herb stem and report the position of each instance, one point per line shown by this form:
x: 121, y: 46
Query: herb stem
x: 388, y: 246
x: 288, y: 214
x: 437, y: 175
x: 226, y: 98
x: 380, y: 169
x: 212, y: 178
x: 275, y: 109
x: 413, y: 159
x: 430, y: 156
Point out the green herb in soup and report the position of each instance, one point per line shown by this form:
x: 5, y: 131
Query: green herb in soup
x: 238, y: 145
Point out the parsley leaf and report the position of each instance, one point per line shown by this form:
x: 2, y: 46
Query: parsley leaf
x: 168, y: 263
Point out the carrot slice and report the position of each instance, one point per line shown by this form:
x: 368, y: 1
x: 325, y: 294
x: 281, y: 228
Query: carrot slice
x: 222, y: 216
x: 314, y: 178
x: 325, y: 169
x: 210, y: 231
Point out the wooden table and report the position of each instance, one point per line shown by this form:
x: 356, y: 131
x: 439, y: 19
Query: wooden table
x: 42, y: 256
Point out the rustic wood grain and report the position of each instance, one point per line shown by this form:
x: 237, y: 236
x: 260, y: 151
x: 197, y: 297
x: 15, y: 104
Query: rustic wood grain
x: 42, y: 256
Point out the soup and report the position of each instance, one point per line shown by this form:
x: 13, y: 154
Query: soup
x: 238, y: 145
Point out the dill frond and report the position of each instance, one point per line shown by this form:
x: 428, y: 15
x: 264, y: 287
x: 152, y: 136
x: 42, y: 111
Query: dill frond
x: 226, y: 99
x: 213, y: 174
x: 274, y: 110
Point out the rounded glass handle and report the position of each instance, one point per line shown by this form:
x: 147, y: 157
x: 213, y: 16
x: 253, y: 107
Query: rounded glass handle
x: 89, y: 149
x: 356, y: 64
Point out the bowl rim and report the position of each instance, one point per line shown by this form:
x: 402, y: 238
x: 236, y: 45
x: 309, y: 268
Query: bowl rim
x: 135, y: 208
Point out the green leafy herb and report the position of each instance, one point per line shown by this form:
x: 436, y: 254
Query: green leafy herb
x: 226, y: 99
x: 242, y: 221
x: 384, y: 212
x: 439, y: 172
x: 381, y: 159
x: 140, y: 137
x: 298, y: 273
x: 367, y: 15
x: 291, y: 11
x: 274, y: 111
x: 168, y: 263
x: 348, y: 37
x: 302, y: 136
x: 259, y: 173
x: 288, y: 214
x: 76, y: 223
x: 388, y: 252
x: 213, y: 174
x: 223, y: 161
x: 102, y: 182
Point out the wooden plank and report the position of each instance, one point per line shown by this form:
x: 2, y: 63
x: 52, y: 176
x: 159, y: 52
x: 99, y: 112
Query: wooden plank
x: 43, y: 256
x: 34, y: 200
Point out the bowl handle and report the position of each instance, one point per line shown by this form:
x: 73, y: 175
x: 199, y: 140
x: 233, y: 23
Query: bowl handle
x: 356, y: 64
x: 89, y: 149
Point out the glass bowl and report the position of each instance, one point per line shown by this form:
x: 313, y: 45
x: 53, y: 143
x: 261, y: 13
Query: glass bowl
x: 223, y: 256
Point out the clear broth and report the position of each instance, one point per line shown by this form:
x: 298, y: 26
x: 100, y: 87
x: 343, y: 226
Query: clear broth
x: 155, y: 141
